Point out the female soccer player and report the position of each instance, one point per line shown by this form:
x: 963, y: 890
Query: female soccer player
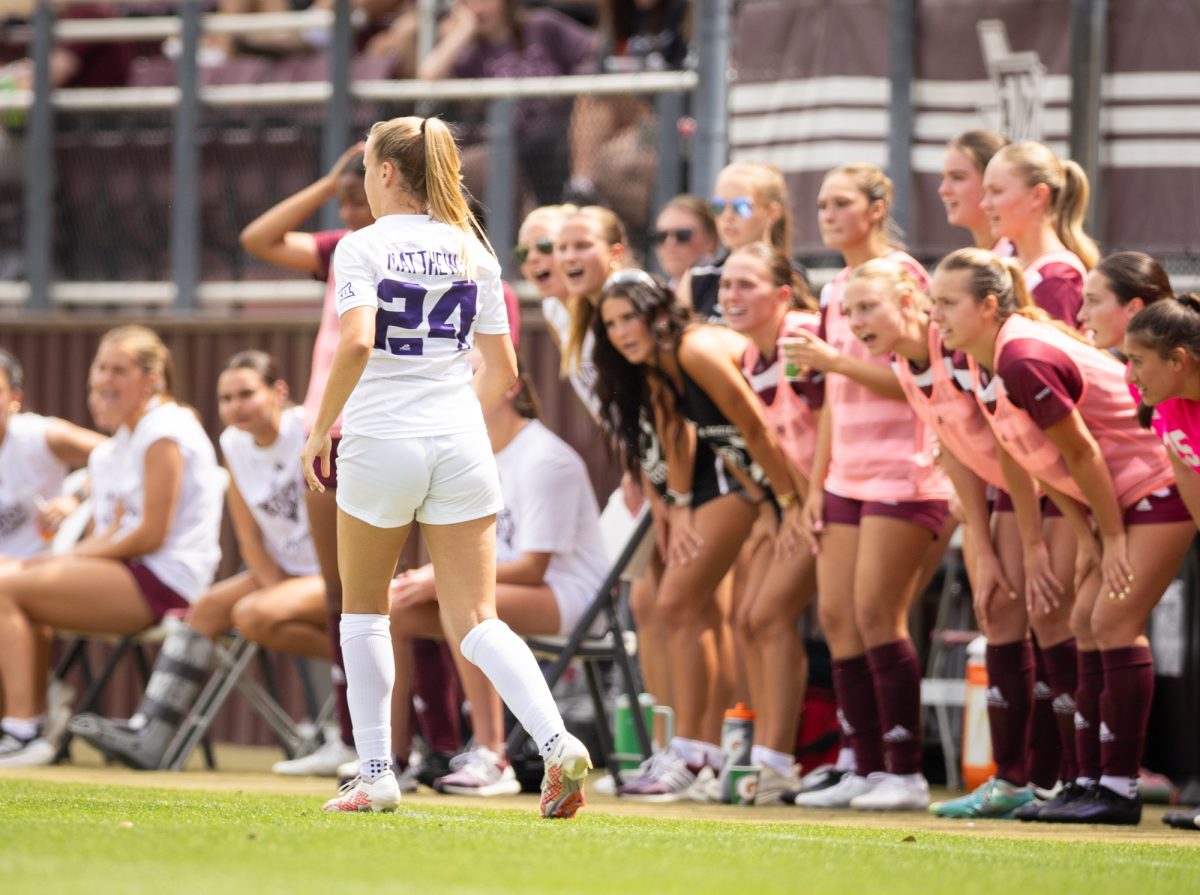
x: 652, y: 363
x: 685, y: 234
x: 876, y: 504
x: 1038, y: 203
x: 1061, y: 409
x: 160, y: 556
x: 416, y: 290
x: 278, y: 601
x: 961, y: 187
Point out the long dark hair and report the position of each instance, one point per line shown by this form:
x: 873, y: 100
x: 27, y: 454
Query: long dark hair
x: 1133, y: 275
x: 623, y: 390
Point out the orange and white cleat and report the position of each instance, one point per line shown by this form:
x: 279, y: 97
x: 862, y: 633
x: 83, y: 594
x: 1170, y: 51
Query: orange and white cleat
x: 381, y: 794
x: 566, y: 769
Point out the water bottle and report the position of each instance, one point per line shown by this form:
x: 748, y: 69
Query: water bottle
x: 737, y: 738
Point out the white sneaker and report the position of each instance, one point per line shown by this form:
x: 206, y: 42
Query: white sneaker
x: 772, y: 785
x: 479, y: 772
x: 566, y: 769
x: 18, y: 753
x: 382, y: 794
x: 605, y: 786
x: 407, y: 780
x: 894, y: 792
x: 325, y: 762
x: 707, y: 788
x: 837, y: 796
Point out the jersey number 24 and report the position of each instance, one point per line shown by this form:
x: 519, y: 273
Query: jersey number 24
x: 402, y: 306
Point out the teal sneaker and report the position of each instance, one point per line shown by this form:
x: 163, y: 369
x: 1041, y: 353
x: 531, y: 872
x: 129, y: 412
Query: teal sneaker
x: 995, y: 799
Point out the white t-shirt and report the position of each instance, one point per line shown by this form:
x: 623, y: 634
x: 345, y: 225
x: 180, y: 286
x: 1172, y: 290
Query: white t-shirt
x: 104, y: 463
x: 29, y: 472
x: 549, y: 507
x: 187, y: 560
x: 418, y: 378
x: 270, y: 480
x: 583, y: 378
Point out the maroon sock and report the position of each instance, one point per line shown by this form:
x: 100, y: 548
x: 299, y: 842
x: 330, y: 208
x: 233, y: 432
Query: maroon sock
x: 1062, y: 673
x: 435, y: 689
x: 1010, y: 707
x: 855, y: 690
x: 1044, y: 748
x: 1087, y: 714
x: 896, y: 672
x: 337, y: 674
x: 1125, y: 708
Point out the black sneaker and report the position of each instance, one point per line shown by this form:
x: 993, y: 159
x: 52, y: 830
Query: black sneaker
x: 1049, y: 812
x: 436, y: 764
x: 823, y: 777
x: 1183, y: 820
x: 1101, y: 806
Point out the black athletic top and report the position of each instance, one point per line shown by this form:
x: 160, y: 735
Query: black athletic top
x: 706, y: 286
x: 714, y: 430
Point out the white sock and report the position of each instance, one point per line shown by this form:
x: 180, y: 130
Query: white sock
x: 1126, y: 787
x: 845, y: 760
x: 21, y: 728
x: 509, y: 665
x: 772, y: 758
x: 713, y: 756
x: 370, y: 673
x: 1085, y: 781
x: 691, y: 751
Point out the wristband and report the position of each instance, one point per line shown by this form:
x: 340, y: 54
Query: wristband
x: 678, y: 498
x: 785, y: 500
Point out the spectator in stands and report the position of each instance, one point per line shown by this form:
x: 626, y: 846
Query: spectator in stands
x: 79, y: 63
x: 961, y: 188
x: 685, y: 234
x: 36, y: 453
x: 278, y: 600
x: 500, y: 39
x: 550, y: 562
x: 161, y: 556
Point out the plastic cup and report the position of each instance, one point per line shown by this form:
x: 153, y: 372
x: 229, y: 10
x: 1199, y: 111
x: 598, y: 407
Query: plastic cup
x: 743, y: 784
x: 792, y: 372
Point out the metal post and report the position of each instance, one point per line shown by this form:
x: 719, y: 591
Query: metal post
x: 901, y: 64
x: 185, y: 163
x: 668, y: 176
x: 501, y: 179
x: 39, y: 165
x: 712, y: 94
x: 1088, y: 37
x: 337, y: 115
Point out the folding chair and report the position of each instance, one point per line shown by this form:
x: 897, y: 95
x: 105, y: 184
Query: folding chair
x: 600, y: 636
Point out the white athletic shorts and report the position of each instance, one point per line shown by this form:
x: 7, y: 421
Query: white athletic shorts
x: 435, y: 479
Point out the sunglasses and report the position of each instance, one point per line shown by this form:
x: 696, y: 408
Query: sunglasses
x: 681, y: 236
x: 520, y: 252
x: 743, y: 206
x: 631, y: 276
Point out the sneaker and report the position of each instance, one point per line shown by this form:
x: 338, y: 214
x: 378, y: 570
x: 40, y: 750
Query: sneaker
x: 406, y: 779
x: 995, y: 798
x: 669, y: 780
x: 893, y: 792
x: 851, y: 786
x: 1099, y: 806
x: 18, y: 753
x: 822, y: 777
x: 1041, y: 797
x: 382, y: 794
x: 1067, y: 796
x: 324, y: 762
x: 772, y: 785
x: 562, y: 785
x: 433, y: 766
x: 1183, y: 820
x: 605, y: 786
x: 707, y: 788
x: 480, y: 772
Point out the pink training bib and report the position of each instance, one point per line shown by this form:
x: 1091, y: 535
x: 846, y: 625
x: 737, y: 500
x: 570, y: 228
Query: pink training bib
x: 789, y: 414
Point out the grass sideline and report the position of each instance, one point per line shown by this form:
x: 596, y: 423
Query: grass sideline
x: 60, y: 838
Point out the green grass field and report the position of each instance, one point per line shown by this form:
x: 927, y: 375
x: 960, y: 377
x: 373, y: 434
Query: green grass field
x: 78, y: 838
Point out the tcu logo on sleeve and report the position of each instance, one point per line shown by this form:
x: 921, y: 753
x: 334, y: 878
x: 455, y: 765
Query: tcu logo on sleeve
x: 402, y: 306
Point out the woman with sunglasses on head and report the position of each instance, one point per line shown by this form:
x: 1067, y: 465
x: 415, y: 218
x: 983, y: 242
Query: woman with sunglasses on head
x: 652, y: 361
x: 685, y: 234
x: 750, y: 204
x: 1038, y: 203
x: 1060, y: 408
x: 876, y: 513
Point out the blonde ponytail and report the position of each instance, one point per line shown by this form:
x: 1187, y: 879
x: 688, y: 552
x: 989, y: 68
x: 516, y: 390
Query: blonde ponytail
x: 1070, y: 211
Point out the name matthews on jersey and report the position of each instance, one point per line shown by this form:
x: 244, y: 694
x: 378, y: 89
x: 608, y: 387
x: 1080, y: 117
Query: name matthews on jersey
x: 430, y: 264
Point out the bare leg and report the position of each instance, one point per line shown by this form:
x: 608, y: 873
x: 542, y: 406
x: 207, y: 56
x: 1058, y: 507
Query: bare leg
x: 289, y: 617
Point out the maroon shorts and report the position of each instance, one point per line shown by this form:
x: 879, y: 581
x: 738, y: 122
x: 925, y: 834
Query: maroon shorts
x: 1158, y: 508
x: 160, y: 598
x: 329, y: 481
x: 1004, y: 504
x: 930, y: 514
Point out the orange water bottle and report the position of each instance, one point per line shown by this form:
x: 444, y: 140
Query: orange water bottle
x: 977, y: 763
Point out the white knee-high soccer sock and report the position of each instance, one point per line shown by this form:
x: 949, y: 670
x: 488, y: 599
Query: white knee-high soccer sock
x: 370, y: 673
x: 510, y: 666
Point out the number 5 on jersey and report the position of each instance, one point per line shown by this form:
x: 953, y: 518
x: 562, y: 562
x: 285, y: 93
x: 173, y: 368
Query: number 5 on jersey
x: 402, y: 307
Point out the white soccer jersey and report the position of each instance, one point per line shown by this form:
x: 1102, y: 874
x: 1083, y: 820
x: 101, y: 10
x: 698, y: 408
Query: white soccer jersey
x: 103, y: 466
x: 187, y: 560
x: 270, y: 480
x: 549, y: 507
x: 410, y: 268
x: 29, y: 473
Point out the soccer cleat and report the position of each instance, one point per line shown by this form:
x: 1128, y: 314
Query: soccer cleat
x: 566, y: 769
x: 16, y: 752
x: 995, y: 798
x: 851, y: 786
x: 893, y: 792
x: 381, y: 794
x: 668, y: 780
x: 324, y: 762
x: 1048, y: 813
x: 1031, y: 809
x: 1183, y: 820
x: 772, y: 785
x: 1100, y: 805
x: 479, y: 772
